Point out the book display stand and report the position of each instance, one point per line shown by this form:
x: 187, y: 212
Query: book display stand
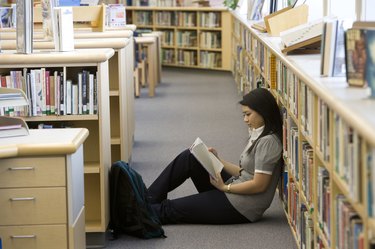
x: 311, y: 46
x: 285, y: 19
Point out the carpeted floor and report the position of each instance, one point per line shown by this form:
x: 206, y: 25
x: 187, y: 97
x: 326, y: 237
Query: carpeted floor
x: 191, y: 103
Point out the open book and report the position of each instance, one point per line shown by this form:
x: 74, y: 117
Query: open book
x: 208, y: 160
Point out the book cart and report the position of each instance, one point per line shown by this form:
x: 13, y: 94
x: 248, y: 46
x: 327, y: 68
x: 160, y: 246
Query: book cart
x: 195, y: 37
x: 97, y: 147
x: 329, y: 141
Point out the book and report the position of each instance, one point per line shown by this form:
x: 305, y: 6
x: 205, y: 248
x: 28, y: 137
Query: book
x: 48, y: 19
x: 116, y: 15
x: 208, y: 160
x: 333, y: 48
x: 355, y: 56
x: 260, y: 26
x: 64, y: 27
x: 370, y: 60
x: 328, y: 46
x: 24, y: 27
x: 6, y: 17
x: 302, y: 33
x: 255, y: 9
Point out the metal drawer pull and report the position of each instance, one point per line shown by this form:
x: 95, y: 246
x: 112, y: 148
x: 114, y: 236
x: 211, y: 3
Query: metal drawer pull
x: 23, y: 199
x: 23, y: 236
x: 22, y: 168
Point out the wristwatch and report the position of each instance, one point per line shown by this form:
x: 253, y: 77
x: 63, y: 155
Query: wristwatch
x: 228, y: 187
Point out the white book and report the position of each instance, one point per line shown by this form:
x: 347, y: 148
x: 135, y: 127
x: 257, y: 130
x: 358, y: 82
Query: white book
x: 64, y: 18
x: 33, y: 95
x: 68, y: 97
x: 44, y: 90
x: 38, y: 91
x: 74, y: 99
x: 80, y: 93
x: 116, y: 15
x: 208, y: 160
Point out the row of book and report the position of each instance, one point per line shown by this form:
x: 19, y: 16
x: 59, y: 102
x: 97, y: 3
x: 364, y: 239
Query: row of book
x: 53, y: 93
x: 210, y: 59
x: 168, y: 56
x: 159, y: 3
x: 186, y: 38
x: 187, y: 57
x: 179, y: 19
x: 186, y: 19
x: 338, y: 148
x: 167, y: 38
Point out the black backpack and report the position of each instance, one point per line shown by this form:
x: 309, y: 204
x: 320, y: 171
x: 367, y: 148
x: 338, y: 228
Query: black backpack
x: 130, y: 210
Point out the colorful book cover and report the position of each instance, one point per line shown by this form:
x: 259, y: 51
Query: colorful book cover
x: 370, y: 60
x: 6, y: 15
x: 355, y: 54
x: 48, y: 19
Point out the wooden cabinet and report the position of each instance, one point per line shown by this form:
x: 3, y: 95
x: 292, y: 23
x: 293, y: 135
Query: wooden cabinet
x: 97, y: 147
x: 192, y: 37
x: 329, y: 141
x: 42, y: 190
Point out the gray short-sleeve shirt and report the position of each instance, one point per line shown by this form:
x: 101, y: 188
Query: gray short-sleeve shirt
x: 263, y: 158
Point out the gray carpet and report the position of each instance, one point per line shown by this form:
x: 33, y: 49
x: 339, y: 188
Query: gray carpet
x: 190, y: 103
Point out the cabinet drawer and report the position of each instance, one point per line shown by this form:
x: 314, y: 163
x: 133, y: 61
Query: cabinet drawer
x: 33, y: 206
x: 32, y: 172
x: 34, y: 237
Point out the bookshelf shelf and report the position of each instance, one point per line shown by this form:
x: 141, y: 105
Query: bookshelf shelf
x: 206, y: 35
x: 328, y: 125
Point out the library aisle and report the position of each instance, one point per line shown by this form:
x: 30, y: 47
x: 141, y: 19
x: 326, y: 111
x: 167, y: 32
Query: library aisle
x: 190, y: 103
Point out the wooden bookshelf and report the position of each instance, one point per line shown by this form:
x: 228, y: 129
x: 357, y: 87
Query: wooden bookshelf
x: 195, y: 37
x: 97, y: 147
x: 120, y: 82
x: 329, y: 140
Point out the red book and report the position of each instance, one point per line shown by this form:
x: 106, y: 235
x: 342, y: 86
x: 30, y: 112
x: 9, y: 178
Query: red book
x: 3, y: 81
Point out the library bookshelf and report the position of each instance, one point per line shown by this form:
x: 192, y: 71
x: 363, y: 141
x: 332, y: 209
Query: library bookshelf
x: 195, y: 37
x: 57, y: 113
x: 120, y: 81
x: 329, y: 141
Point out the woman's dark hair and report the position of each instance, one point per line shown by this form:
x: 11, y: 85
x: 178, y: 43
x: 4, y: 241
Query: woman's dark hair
x: 264, y: 103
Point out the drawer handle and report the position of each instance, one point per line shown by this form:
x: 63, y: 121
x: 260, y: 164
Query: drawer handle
x: 23, y: 199
x: 23, y: 236
x: 22, y: 168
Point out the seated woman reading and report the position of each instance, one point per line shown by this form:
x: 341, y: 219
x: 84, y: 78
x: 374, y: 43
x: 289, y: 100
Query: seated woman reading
x: 240, y: 193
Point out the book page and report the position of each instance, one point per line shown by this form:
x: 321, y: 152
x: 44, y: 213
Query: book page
x: 208, y: 160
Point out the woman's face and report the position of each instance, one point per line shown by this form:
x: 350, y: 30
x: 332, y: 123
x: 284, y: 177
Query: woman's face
x: 252, y: 118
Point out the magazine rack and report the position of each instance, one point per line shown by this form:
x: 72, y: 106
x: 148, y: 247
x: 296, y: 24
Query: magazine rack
x: 12, y: 126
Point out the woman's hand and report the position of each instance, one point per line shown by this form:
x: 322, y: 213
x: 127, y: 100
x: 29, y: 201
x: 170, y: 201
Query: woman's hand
x: 218, y: 182
x: 213, y: 151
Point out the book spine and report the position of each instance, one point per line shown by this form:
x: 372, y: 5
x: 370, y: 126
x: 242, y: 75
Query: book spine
x: 68, y: 97
x: 48, y: 93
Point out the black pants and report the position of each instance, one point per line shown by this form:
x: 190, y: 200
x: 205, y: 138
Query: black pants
x: 209, y: 206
